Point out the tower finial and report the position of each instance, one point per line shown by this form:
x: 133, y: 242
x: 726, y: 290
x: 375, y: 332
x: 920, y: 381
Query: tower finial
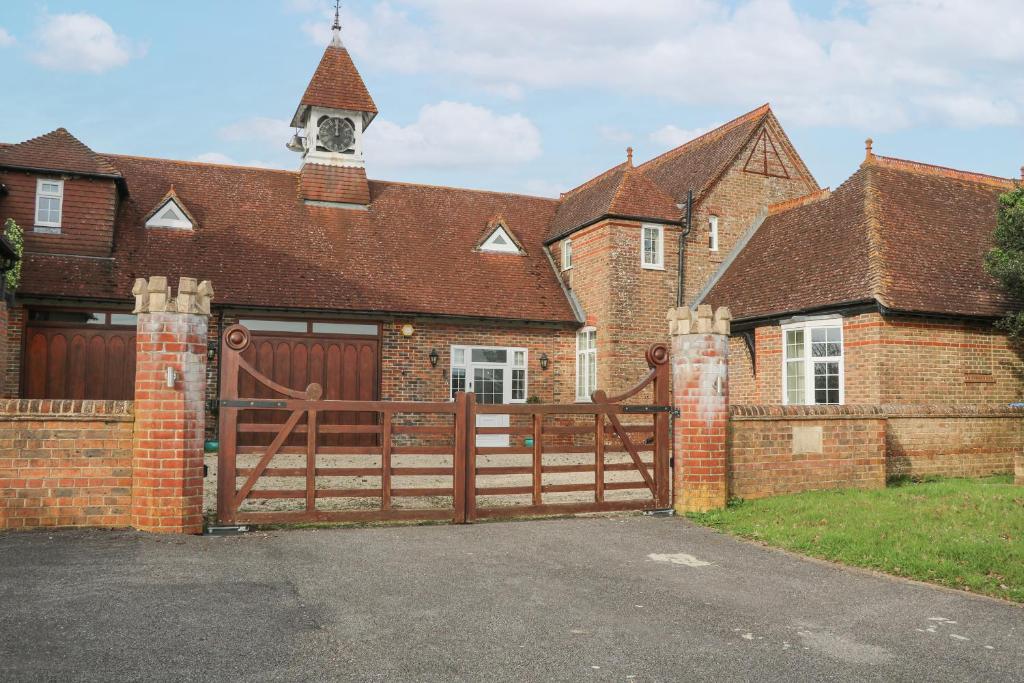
x: 868, y: 151
x: 336, y: 27
x: 629, y: 156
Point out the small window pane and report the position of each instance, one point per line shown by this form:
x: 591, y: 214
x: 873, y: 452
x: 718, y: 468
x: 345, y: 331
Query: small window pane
x: 489, y: 385
x: 490, y: 356
x: 826, y: 383
x: 345, y: 328
x: 518, y: 385
x: 276, y: 325
x: 519, y: 359
x: 458, y: 380
x: 795, y: 344
x: 795, y: 383
x: 458, y: 356
x: 126, y: 319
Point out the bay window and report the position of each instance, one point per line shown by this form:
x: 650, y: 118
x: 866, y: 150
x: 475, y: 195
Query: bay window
x: 812, y: 362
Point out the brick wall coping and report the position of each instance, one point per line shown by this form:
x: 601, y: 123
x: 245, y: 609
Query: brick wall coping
x: 886, y: 411
x: 37, y: 409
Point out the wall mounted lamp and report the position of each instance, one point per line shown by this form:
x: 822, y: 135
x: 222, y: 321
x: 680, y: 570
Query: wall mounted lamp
x: 211, y: 351
x: 433, y: 358
x: 543, y: 361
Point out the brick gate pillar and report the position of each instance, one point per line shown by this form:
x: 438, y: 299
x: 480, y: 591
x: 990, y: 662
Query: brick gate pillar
x: 700, y: 392
x: 170, y: 392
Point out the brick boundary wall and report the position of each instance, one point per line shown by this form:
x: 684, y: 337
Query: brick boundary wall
x: 65, y: 463
x: 953, y: 441
x: 787, y: 449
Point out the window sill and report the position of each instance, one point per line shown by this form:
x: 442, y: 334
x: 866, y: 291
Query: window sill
x: 643, y: 267
x: 46, y: 229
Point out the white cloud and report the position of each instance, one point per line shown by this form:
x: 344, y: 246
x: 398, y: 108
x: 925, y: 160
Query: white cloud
x: 271, y: 132
x: 6, y: 39
x: 614, y: 134
x: 876, y: 64
x: 672, y: 136
x: 224, y: 159
x: 81, y: 42
x: 544, y: 188
x: 453, y: 134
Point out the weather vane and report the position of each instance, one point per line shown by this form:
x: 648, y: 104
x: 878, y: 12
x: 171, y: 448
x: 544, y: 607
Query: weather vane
x: 337, y: 15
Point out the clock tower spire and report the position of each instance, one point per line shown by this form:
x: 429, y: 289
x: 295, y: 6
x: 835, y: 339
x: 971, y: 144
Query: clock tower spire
x: 332, y: 116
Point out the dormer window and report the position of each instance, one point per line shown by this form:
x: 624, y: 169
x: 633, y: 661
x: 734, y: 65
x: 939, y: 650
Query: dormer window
x: 49, y: 204
x: 170, y: 215
x: 500, y: 241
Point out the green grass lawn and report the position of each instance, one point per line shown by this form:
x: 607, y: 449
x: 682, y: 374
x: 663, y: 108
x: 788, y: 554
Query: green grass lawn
x: 962, y: 533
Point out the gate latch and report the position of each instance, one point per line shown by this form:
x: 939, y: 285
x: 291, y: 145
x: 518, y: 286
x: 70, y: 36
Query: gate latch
x: 650, y: 410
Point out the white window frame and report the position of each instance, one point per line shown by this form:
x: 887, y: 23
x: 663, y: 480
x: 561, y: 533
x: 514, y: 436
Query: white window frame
x: 713, y: 233
x: 808, y: 360
x: 567, y: 254
x: 659, y: 263
x: 508, y: 248
x: 182, y: 223
x: 583, y: 359
x: 59, y: 196
x: 509, y: 366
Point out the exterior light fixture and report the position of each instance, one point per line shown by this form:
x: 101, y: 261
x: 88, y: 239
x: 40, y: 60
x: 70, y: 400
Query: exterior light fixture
x: 543, y: 361
x: 433, y: 358
x: 211, y: 351
x: 408, y: 330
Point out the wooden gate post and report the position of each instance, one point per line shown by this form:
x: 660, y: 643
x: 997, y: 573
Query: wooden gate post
x: 700, y: 392
x: 170, y: 406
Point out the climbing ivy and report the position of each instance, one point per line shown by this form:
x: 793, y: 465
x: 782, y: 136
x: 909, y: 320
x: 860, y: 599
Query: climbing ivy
x: 16, y: 236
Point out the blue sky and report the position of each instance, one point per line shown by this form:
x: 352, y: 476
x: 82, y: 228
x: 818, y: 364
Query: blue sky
x: 525, y: 95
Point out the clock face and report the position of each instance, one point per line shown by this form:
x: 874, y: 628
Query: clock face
x: 336, y: 134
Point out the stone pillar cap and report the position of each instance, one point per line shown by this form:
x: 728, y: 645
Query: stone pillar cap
x: 155, y: 296
x: 705, y: 320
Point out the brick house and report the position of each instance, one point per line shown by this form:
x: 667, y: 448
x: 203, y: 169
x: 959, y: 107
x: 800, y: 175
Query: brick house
x: 874, y: 293
x: 514, y: 297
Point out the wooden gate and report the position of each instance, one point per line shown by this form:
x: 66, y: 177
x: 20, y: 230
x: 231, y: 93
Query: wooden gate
x: 423, y: 462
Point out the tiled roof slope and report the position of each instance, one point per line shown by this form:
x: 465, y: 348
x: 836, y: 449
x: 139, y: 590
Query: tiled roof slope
x: 621, y: 191
x: 655, y: 189
x: 698, y: 163
x: 336, y: 84
x: 411, y: 252
x: 910, y: 236
x: 58, y: 150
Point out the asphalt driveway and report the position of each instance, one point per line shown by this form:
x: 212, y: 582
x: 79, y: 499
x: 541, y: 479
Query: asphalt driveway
x: 627, y: 599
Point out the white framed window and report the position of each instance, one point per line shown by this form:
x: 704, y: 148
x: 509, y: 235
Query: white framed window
x: 586, y: 363
x: 652, y: 247
x: 567, y: 254
x: 501, y: 242
x: 49, y: 203
x: 812, y: 363
x: 713, y: 233
x: 170, y: 215
x: 497, y: 374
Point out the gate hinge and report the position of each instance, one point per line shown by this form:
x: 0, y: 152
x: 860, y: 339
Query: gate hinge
x: 650, y: 410
x: 226, y: 403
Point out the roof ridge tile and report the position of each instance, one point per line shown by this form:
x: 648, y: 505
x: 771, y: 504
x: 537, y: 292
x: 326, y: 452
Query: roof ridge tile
x: 709, y: 136
x: 816, y: 196
x: 934, y: 169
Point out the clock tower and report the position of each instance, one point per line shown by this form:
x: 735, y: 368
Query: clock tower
x: 330, y: 121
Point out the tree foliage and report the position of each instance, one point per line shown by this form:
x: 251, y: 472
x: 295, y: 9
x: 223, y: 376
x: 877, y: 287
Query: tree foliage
x: 16, y: 236
x: 1006, y: 261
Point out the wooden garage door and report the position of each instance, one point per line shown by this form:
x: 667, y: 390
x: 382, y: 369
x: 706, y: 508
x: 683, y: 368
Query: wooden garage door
x: 65, y: 360
x: 346, y: 366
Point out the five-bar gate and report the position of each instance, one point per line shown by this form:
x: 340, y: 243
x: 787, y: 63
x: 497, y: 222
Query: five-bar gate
x: 421, y: 460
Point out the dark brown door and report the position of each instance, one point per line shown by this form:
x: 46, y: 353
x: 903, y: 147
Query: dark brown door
x: 346, y: 367
x: 68, y: 362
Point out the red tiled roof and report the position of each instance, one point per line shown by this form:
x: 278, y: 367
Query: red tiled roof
x: 621, y: 191
x: 58, y: 150
x: 336, y: 84
x: 656, y: 188
x: 261, y: 246
x: 698, y: 163
x: 910, y: 236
